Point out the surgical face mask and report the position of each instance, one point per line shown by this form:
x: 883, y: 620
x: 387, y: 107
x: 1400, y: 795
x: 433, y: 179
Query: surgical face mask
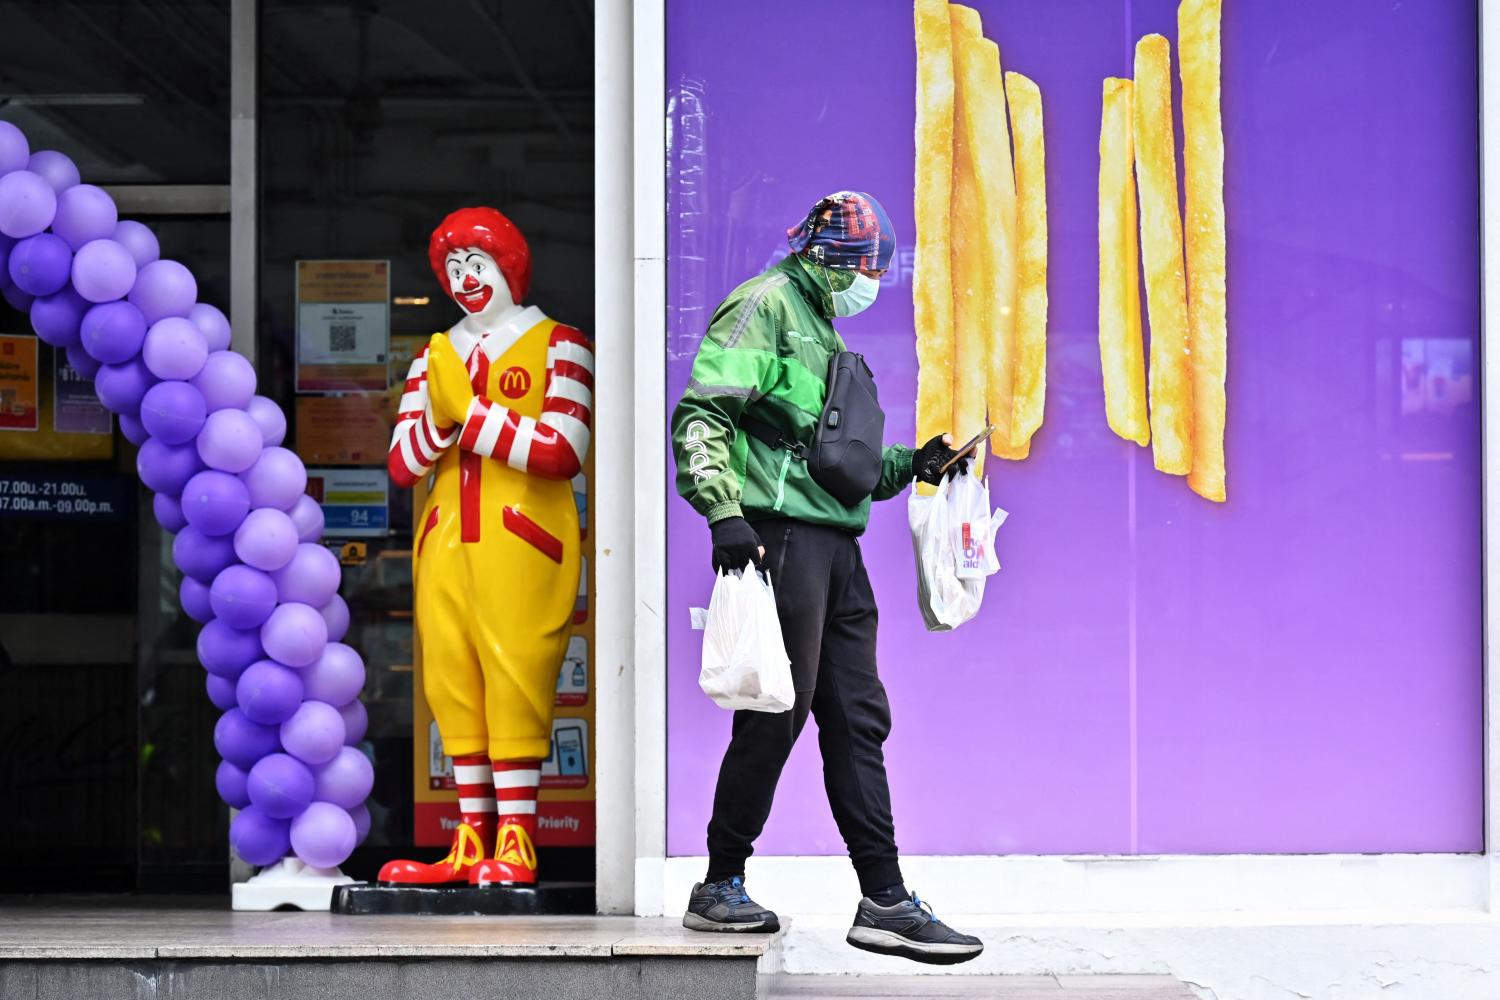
x: 858, y: 297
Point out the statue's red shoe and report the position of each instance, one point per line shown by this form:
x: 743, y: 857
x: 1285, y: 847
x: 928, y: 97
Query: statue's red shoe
x: 467, y: 850
x: 514, y: 862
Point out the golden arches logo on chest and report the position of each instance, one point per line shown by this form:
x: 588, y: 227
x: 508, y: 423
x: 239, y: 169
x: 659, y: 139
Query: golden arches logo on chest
x: 515, y: 382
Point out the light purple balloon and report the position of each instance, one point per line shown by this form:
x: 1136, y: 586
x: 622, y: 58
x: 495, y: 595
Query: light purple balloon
x: 230, y: 441
x: 215, y: 503
x: 269, y: 693
x: 55, y: 168
x: 295, y: 634
x: 225, y: 650
x: 361, y: 816
x: 163, y: 288
x: 84, y: 213
x: 174, y: 412
x: 122, y: 387
x: 84, y: 364
x: 103, y: 270
x: 195, y: 600
x: 356, y: 720
x: 314, y: 733
x: 168, y: 513
x: 15, y: 151
x: 280, y: 785
x: 40, y: 264
x: 56, y: 318
x: 220, y: 691
x: 113, y: 332
x: 166, y: 468
x: 267, y: 539
x: 336, y: 614
x: 258, y: 839
x: 137, y: 238
x: 242, y: 598
x: 230, y: 782
x: 277, y: 479
x: 242, y: 742
x: 345, y: 780
x: 337, y: 677
x: 135, y: 432
x: 227, y: 381
x: 323, y: 835
x: 202, y: 557
x: 311, y: 577
x: 213, y: 324
x: 270, y: 418
x: 307, y: 515
x: 27, y: 203
x: 18, y: 300
x: 174, y: 349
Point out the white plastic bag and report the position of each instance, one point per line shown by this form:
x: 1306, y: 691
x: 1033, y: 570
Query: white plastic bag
x: 744, y: 659
x: 953, y: 536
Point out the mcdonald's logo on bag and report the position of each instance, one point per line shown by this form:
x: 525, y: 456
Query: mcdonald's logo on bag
x: 515, y: 382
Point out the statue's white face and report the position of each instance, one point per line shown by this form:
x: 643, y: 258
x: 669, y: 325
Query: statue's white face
x: 477, y: 282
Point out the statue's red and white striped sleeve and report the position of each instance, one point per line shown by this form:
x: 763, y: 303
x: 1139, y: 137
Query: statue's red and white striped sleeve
x: 418, y: 440
x: 555, y: 444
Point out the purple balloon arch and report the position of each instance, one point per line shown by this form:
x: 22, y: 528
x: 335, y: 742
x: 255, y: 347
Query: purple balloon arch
x: 247, y: 534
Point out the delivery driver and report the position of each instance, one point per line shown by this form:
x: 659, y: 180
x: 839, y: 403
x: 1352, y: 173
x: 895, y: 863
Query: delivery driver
x: 765, y: 358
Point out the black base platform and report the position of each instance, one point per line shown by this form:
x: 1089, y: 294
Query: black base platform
x: 547, y: 898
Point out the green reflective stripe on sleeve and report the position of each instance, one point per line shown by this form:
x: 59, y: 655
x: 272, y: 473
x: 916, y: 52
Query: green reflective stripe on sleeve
x: 717, y: 368
x: 747, y: 309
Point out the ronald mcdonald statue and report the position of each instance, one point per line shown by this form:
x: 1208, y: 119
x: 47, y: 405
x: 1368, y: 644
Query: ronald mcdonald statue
x: 498, y: 409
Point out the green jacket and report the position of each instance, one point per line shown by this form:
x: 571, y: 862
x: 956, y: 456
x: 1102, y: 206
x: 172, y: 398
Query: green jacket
x: 766, y: 353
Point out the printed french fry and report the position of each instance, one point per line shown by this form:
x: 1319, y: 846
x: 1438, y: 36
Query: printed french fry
x: 1030, y: 387
x: 1203, y: 174
x: 1171, y: 387
x: 1121, y: 354
x: 932, y: 283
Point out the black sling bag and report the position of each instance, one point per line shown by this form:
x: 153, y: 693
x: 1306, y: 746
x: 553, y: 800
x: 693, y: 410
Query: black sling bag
x: 845, y: 455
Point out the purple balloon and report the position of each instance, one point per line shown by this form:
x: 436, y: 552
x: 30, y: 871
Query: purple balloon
x: 103, y: 270
x: 166, y: 468
x: 230, y: 781
x: 323, y: 835
x: 361, y: 816
x: 269, y: 693
x: 215, y: 503
x: 27, y: 203
x: 168, y: 513
x: 213, y: 324
x: 15, y: 151
x: 174, y: 349
x: 84, y: 213
x: 201, y: 556
x: 336, y: 614
x: 280, y: 785
x: 277, y: 479
x: 139, y: 240
x: 195, y: 600
x: 337, y: 677
x: 345, y: 780
x: 135, y: 432
x: 173, y: 412
x: 311, y: 577
x: 295, y: 634
x: 225, y: 650
x: 18, y: 300
x: 83, y: 363
x: 56, y: 318
x: 242, y: 742
x: 314, y: 733
x: 113, y: 332
x: 55, y: 168
x: 163, y: 288
x: 220, y: 691
x: 258, y: 839
x: 230, y: 441
x: 242, y: 598
x: 266, y: 540
x: 356, y: 720
x: 40, y: 264
x: 269, y: 417
x: 122, y: 387
x: 307, y: 515
x: 227, y: 381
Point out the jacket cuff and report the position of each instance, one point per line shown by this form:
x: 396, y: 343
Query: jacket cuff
x: 723, y: 510
x: 901, y: 463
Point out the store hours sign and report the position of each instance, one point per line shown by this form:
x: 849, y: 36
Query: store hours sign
x: 42, y: 497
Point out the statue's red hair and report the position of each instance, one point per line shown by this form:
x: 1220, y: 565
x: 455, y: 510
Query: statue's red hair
x: 491, y: 232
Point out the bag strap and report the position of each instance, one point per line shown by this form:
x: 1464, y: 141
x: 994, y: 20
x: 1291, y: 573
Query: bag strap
x: 770, y: 436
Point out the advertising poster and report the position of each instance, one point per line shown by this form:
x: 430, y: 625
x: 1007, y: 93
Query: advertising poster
x: 355, y: 502
x: 19, y: 405
x: 343, y: 325
x: 75, y: 407
x: 343, y: 430
x: 1246, y: 622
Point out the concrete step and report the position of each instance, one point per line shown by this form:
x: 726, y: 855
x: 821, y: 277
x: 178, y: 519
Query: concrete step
x: 787, y: 987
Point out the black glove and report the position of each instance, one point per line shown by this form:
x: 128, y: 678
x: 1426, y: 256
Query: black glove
x: 932, y: 456
x: 735, y: 544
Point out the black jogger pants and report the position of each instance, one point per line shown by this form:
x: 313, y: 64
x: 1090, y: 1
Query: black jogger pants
x: 828, y: 619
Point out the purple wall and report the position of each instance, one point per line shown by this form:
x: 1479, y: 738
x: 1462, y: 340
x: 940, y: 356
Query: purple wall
x: 1296, y: 671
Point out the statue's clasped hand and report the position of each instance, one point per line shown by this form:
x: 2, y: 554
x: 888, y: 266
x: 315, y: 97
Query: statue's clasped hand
x: 447, y: 382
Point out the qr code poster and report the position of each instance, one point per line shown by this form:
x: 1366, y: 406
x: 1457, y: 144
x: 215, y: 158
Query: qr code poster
x: 343, y: 325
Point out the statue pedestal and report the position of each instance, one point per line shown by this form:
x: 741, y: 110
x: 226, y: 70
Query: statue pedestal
x: 565, y: 898
x: 289, y: 883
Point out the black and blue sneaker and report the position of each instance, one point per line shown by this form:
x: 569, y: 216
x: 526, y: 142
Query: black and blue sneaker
x: 725, y: 906
x: 908, y: 929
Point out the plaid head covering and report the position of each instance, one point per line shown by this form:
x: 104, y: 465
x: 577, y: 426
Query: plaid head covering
x: 846, y: 230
